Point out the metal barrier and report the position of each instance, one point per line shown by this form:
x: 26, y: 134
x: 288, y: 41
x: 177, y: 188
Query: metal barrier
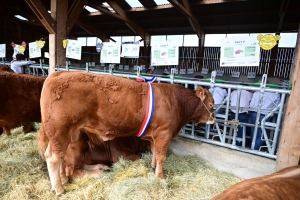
x: 224, y: 131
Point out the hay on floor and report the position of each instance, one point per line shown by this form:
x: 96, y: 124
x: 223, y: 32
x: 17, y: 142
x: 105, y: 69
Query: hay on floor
x: 23, y: 175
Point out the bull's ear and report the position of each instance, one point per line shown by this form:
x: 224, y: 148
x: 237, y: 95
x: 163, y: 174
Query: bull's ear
x: 200, y: 93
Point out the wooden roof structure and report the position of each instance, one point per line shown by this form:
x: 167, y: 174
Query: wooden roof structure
x: 118, y: 18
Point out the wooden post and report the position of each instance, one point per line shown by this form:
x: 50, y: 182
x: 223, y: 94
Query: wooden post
x: 59, y: 12
x: 201, y: 52
x: 52, y: 53
x: 289, y: 145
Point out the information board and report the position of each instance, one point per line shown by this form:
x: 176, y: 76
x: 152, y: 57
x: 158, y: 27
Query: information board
x: 240, y: 51
x: 130, y: 49
x: 34, y: 51
x: 73, y: 49
x: 164, y: 54
x: 2, y: 50
x: 110, y: 52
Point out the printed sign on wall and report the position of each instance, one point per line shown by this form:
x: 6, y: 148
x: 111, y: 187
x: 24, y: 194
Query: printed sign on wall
x: 16, y: 51
x: 164, y: 54
x: 130, y: 49
x: 73, y: 49
x: 110, y: 52
x: 240, y: 51
x: 34, y: 50
x: 2, y: 50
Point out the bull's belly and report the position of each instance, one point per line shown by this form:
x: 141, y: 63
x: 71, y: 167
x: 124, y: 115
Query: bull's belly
x: 105, y: 136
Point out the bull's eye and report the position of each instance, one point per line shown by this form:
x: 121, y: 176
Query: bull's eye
x: 211, y: 105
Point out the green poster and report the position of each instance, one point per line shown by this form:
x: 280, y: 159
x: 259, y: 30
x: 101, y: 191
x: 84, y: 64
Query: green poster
x: 156, y: 53
x: 228, y: 52
x: 171, y: 53
x: 115, y: 53
x: 77, y: 50
x: 250, y: 50
x: 104, y: 53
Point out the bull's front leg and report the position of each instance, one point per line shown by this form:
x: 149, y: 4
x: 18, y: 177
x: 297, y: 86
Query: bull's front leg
x: 161, y: 145
x: 153, y: 161
x: 54, y: 163
x: 63, y: 176
x: 7, y: 130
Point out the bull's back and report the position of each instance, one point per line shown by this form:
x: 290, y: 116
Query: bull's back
x: 20, y: 96
x: 284, y: 184
x: 93, y: 98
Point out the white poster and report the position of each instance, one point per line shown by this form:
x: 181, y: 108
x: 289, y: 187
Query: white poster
x: 16, y: 51
x: 130, y: 49
x: 165, y: 53
x: 110, y: 52
x: 73, y: 49
x: 34, y: 51
x: 240, y: 51
x: 2, y: 50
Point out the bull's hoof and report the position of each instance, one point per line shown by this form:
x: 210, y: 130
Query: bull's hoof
x: 106, y: 169
x: 60, y: 193
x: 65, y: 183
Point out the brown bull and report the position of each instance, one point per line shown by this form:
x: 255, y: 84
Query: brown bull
x: 19, y: 100
x: 6, y: 68
x: 284, y: 184
x: 110, y: 107
x: 89, y: 155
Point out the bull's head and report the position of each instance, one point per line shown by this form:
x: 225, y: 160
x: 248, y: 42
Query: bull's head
x: 208, y: 105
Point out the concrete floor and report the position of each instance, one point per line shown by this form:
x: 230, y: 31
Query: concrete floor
x: 243, y: 165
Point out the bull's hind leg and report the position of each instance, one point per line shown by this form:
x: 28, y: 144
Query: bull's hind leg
x: 54, y: 163
x: 96, y: 167
x: 81, y: 173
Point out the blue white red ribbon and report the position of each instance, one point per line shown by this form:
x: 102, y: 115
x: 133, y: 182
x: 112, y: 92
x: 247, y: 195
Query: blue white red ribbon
x: 143, y: 79
x: 149, y: 111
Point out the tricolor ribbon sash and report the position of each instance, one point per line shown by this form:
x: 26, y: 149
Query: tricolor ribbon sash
x: 143, y: 79
x: 149, y: 111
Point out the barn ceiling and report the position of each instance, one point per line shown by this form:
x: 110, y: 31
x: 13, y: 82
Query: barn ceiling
x: 118, y: 18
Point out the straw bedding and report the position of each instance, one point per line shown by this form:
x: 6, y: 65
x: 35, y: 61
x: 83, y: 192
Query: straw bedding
x: 23, y: 175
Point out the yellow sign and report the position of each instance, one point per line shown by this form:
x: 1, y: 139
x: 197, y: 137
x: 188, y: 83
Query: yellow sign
x: 267, y: 41
x: 21, y: 49
x: 65, y: 42
x: 40, y: 43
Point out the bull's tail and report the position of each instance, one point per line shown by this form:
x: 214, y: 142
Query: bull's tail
x: 42, y: 142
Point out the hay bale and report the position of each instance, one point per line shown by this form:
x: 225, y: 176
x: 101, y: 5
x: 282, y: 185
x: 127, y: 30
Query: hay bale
x: 23, y: 175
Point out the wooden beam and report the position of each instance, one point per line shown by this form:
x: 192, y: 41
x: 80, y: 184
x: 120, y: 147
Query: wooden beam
x: 74, y: 13
x: 129, y: 22
x: 283, y: 9
x: 42, y: 14
x: 105, y: 11
x: 92, y: 30
x: 3, y: 5
x: 288, y: 147
x: 187, y: 11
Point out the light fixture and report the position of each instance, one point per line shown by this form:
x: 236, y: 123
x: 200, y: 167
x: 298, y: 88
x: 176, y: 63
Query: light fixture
x: 21, y: 17
x: 90, y: 9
